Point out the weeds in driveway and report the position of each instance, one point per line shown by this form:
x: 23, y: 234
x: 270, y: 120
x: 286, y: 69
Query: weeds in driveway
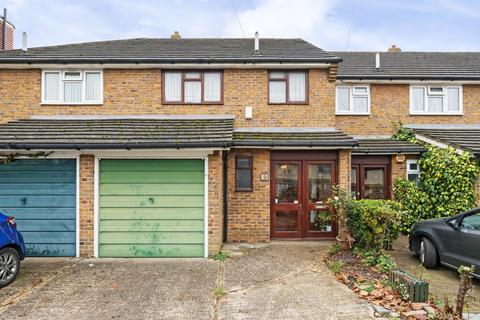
x: 221, y: 256
x: 335, y: 266
x: 219, y: 292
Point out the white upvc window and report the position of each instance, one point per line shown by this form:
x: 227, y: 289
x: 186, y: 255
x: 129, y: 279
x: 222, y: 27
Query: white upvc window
x: 352, y: 100
x: 71, y: 86
x: 413, y: 170
x: 436, y: 100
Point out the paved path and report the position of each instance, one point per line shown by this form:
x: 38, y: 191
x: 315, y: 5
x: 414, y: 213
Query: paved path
x: 280, y: 281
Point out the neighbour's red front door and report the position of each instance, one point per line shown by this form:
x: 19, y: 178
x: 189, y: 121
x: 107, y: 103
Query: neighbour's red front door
x: 299, y: 192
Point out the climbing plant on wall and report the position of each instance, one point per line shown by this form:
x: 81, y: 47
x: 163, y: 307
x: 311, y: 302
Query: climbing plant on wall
x: 446, y: 186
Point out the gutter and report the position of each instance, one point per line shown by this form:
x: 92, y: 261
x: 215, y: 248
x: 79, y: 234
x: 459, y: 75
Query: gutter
x: 128, y: 146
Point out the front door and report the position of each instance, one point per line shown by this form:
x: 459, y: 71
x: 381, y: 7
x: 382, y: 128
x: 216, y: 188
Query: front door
x: 300, y: 190
x: 369, y: 178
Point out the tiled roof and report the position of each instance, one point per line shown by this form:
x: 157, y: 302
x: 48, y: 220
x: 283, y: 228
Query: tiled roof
x: 465, y: 137
x: 148, y: 50
x: 385, y: 146
x: 292, y: 137
x: 410, y: 65
x: 117, y: 133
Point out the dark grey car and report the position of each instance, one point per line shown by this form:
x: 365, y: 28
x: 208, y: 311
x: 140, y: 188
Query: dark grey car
x: 451, y: 242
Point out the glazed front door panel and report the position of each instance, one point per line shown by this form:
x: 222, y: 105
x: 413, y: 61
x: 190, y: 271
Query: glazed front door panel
x: 286, y: 194
x: 300, y: 190
x: 319, y: 179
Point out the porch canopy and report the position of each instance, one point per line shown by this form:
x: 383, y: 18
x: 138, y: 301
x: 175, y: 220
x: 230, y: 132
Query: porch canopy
x: 460, y: 136
x: 122, y: 132
x: 372, y: 145
x: 296, y: 138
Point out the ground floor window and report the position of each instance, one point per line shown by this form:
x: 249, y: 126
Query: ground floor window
x: 413, y: 170
x: 244, y: 173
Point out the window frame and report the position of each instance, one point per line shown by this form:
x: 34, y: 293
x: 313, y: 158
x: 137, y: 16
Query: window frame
x: 250, y: 168
x: 351, y: 96
x: 409, y: 171
x: 202, y: 86
x: 286, y: 80
x: 444, y: 95
x: 62, y: 80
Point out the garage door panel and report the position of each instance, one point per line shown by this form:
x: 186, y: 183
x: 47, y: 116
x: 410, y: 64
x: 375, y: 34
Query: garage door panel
x: 137, y: 237
x: 50, y: 201
x: 50, y: 249
x: 41, y: 195
x: 152, y: 225
x: 152, y: 213
x: 152, y: 208
x: 157, y: 177
x: 38, y: 188
x: 153, y: 165
x: 152, y: 201
x: 188, y: 189
x: 38, y: 213
x: 46, y: 225
x: 159, y: 250
x: 37, y: 176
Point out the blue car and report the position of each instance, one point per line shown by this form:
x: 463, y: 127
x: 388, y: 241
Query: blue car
x: 12, y: 250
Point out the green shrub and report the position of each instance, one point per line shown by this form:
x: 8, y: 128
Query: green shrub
x: 373, y: 223
x: 447, y: 186
x: 378, y: 259
x: 334, y: 249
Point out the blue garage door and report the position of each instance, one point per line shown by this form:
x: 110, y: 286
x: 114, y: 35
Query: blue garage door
x: 40, y: 194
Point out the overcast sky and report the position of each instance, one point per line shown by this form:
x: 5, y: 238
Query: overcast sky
x: 414, y: 25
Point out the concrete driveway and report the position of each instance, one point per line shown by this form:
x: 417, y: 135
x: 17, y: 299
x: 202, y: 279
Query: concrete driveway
x: 279, y: 281
x: 442, y: 281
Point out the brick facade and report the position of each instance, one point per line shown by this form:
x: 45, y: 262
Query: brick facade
x: 249, y: 212
x: 139, y: 92
x: 215, y: 202
x: 86, y: 168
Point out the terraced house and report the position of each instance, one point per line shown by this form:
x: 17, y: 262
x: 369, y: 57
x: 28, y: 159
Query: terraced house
x: 169, y: 147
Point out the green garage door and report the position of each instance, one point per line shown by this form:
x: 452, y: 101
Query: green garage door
x: 151, y: 208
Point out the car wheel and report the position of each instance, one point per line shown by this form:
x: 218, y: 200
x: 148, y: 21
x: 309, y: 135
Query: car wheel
x: 9, y: 266
x: 428, y: 254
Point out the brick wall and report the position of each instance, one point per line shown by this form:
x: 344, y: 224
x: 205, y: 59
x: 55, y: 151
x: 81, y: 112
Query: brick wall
x: 249, y: 212
x: 344, y: 169
x: 86, y: 205
x: 390, y: 105
x: 215, y: 202
x: 8, y: 38
x: 140, y: 92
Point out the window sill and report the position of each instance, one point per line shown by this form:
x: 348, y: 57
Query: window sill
x: 243, y: 190
x: 352, y: 113
x: 192, y: 103
x: 436, y: 114
x: 71, y: 104
x: 287, y: 103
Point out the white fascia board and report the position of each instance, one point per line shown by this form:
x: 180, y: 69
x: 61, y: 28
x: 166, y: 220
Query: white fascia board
x: 286, y: 65
x: 422, y: 82
x: 436, y: 143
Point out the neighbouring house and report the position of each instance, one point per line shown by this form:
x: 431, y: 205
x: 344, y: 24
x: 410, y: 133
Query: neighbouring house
x: 169, y: 147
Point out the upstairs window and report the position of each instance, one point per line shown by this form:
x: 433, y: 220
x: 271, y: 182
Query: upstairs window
x: 353, y: 100
x: 413, y: 170
x: 72, y: 87
x: 436, y: 100
x: 287, y: 87
x: 193, y: 87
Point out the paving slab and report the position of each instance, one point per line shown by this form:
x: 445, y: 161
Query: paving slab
x: 124, y: 289
x: 287, y: 281
x: 442, y: 281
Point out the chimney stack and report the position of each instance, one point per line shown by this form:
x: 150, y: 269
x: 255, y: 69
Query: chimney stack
x: 394, y: 48
x: 257, y: 42
x: 6, y: 32
x: 175, y: 35
x: 24, y: 41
